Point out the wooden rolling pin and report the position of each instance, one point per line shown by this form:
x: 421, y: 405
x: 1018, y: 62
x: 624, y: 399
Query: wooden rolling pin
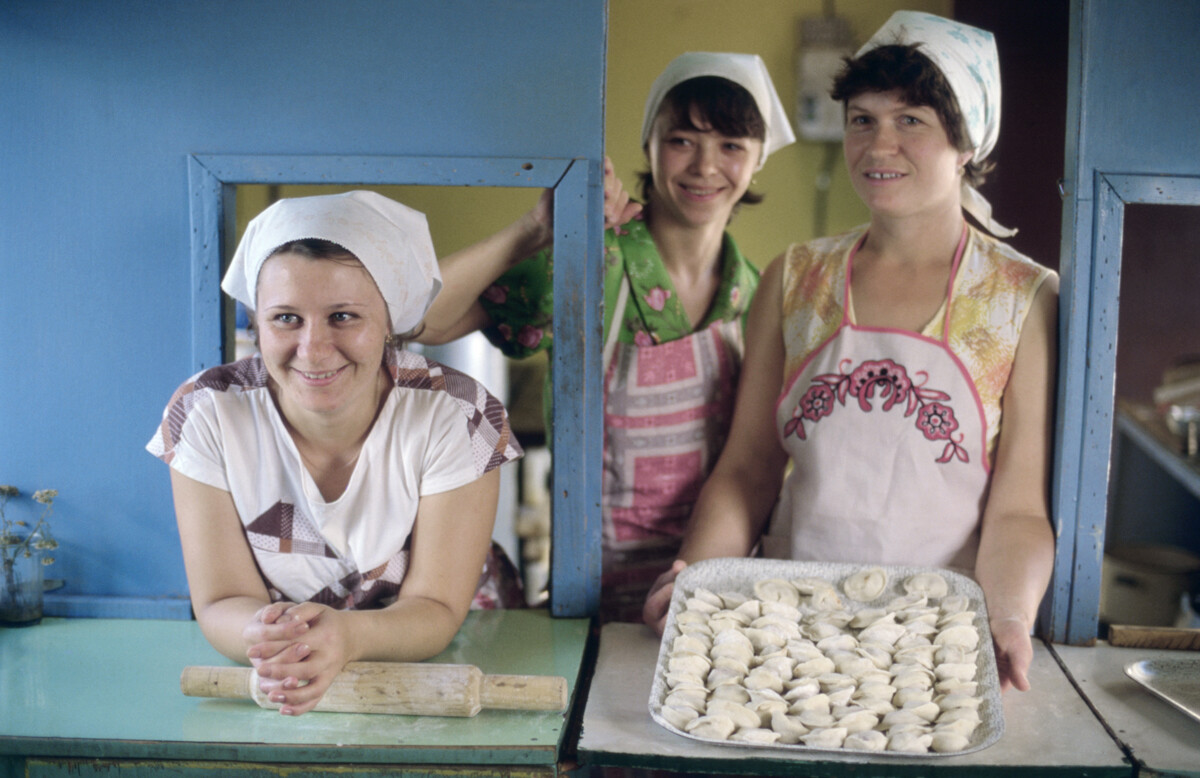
x: 414, y: 689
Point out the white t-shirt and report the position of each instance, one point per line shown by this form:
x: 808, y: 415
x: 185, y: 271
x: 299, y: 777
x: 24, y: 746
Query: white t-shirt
x: 439, y: 429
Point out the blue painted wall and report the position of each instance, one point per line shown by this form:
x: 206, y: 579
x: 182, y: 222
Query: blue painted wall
x: 1133, y: 135
x: 101, y: 104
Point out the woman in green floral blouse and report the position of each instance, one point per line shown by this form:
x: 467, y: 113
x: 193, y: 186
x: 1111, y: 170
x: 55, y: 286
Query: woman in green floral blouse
x: 676, y: 293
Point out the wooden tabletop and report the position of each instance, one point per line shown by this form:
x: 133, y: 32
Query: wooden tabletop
x: 109, y: 688
x: 1049, y: 730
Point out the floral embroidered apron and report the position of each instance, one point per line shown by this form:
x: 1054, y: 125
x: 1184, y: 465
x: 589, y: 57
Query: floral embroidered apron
x: 887, y: 439
x: 667, y: 410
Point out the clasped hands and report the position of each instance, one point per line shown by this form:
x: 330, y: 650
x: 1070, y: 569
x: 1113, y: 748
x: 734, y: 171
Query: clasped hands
x: 297, y: 651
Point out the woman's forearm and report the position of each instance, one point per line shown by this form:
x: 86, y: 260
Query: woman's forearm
x: 467, y: 273
x: 1016, y: 559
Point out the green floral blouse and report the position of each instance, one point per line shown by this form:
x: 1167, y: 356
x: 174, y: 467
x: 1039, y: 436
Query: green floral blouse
x: 521, y: 302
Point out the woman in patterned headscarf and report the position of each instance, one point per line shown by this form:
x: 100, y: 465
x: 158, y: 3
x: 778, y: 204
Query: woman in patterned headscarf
x: 335, y: 493
x: 676, y: 291
x: 906, y: 367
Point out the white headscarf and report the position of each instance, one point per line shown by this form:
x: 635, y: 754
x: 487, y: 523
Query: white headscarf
x: 968, y: 59
x: 391, y: 240
x: 745, y: 70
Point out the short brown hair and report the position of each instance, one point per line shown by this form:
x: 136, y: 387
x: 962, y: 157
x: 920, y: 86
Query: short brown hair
x: 904, y: 69
x: 724, y: 105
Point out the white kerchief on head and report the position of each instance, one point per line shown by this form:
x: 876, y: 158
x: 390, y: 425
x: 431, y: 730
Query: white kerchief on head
x: 967, y: 57
x: 746, y: 70
x: 391, y: 240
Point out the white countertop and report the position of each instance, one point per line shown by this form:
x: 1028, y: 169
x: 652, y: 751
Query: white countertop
x: 1049, y: 726
x: 1160, y: 737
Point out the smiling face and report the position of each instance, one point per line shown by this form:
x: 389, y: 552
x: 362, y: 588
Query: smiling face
x: 900, y: 158
x: 698, y: 174
x: 321, y: 326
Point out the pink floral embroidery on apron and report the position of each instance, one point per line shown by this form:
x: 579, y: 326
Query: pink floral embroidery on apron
x: 934, y: 418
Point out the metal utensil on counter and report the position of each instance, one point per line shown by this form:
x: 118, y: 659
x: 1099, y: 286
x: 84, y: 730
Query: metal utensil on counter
x: 1184, y: 422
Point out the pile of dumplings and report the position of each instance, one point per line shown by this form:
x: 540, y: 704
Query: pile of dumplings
x: 797, y: 664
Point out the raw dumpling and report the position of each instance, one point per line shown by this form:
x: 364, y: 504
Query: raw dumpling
x: 691, y: 644
x: 730, y: 663
x: 831, y: 682
x: 691, y: 664
x: 751, y: 609
x: 911, y: 694
x: 955, y: 654
x: 926, y: 584
x: 710, y: 597
x: 789, y: 727
x: 866, y: 617
x: 691, y: 617
x: 723, y: 676
x: 678, y: 717
x: 962, y: 617
x: 964, y: 726
x: 955, y: 686
x: 732, y: 643
x: 954, y: 603
x: 781, y: 609
x: 777, y: 590
x: 711, y: 727
x: 854, y: 665
x: 801, y: 688
x: 734, y: 692
x: 777, y: 623
x: 733, y: 599
x: 765, y: 638
x: 840, y: 697
x: 828, y: 737
x: 909, y: 741
x: 918, y: 655
x: 870, y: 740
x: 826, y: 600
x: 960, y: 671
x: 964, y: 635
x: 696, y: 699
x: 865, y: 585
x: 767, y: 709
x: 762, y: 678
x: 815, y: 667
x: 781, y: 665
x: 885, y: 632
x: 757, y: 735
x: 819, y: 630
x: 815, y: 719
x: 741, y: 716
x: 817, y: 702
x: 843, y: 641
x: 858, y: 721
x: 700, y: 605
x: 947, y: 742
x: 912, y: 675
x: 877, y: 691
x: 952, y: 701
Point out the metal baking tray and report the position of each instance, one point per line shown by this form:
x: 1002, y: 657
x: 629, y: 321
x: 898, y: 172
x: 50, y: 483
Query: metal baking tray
x: 740, y: 575
x: 1177, y: 681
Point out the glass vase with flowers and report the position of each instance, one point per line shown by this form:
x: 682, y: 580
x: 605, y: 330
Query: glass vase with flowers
x: 23, y: 554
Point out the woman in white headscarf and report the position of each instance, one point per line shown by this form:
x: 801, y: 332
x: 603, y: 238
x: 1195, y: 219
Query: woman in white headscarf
x: 905, y: 368
x: 335, y: 494
x: 676, y: 291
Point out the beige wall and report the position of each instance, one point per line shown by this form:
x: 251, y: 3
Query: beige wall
x: 644, y: 35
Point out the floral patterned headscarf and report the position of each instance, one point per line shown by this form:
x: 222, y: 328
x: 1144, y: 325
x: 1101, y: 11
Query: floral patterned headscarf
x: 967, y: 57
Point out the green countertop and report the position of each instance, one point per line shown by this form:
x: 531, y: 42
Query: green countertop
x: 109, y: 689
